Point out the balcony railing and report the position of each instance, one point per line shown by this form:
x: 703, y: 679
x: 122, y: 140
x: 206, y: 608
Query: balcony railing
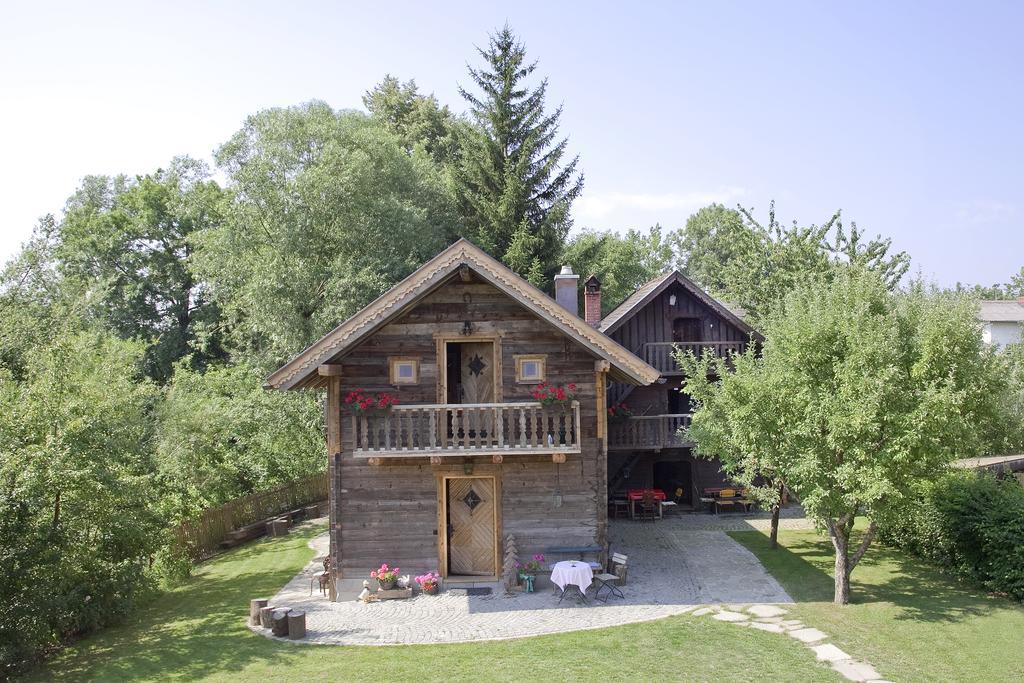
x: 467, y: 429
x: 648, y: 432
x: 659, y: 354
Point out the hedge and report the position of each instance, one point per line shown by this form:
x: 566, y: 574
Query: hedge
x: 971, y: 523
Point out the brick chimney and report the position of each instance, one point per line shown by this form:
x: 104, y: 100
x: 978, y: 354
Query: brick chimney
x: 566, y: 283
x: 1020, y: 300
x: 592, y: 301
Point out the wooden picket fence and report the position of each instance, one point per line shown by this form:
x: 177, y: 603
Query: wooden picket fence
x: 202, y: 536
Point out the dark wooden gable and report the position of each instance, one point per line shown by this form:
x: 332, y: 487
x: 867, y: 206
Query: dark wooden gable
x: 655, y: 321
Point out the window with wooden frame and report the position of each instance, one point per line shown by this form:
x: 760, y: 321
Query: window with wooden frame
x: 404, y: 370
x: 530, y: 369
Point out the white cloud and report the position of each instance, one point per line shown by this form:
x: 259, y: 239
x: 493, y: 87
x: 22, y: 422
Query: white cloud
x: 601, y: 206
x: 983, y: 211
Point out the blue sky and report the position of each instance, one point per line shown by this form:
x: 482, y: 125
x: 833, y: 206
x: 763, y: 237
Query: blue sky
x: 905, y: 115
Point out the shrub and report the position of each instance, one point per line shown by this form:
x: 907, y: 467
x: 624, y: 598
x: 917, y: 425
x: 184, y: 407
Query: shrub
x: 971, y: 523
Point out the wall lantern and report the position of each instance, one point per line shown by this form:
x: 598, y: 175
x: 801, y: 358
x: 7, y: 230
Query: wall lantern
x: 467, y: 328
x: 672, y: 300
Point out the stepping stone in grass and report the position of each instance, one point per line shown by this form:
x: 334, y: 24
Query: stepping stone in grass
x: 808, y: 635
x: 770, y: 620
x: 735, y: 608
x: 855, y: 671
x: 766, y: 611
x: 702, y: 611
x: 771, y: 628
x: 726, y: 615
x: 829, y: 653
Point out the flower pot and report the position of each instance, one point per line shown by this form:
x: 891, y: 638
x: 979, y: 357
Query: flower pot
x: 432, y: 590
x: 387, y: 585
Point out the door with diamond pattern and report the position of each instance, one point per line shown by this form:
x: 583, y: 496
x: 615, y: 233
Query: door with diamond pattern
x: 471, y: 519
x: 477, y: 372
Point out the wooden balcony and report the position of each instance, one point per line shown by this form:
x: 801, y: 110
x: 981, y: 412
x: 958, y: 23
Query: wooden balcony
x: 648, y: 432
x: 467, y: 429
x: 659, y: 354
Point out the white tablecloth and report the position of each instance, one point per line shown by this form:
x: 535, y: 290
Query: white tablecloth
x: 575, y: 572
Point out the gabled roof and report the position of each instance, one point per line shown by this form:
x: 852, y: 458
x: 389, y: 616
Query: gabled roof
x: 1011, y: 311
x: 646, y: 293
x: 302, y: 370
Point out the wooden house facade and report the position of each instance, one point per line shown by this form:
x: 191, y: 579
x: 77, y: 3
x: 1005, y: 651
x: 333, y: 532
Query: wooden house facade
x: 468, y: 455
x: 649, y: 448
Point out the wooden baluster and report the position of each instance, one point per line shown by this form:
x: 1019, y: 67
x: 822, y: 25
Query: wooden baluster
x: 499, y: 426
x: 366, y: 434
x: 355, y: 433
x: 522, y: 427
x: 387, y: 431
x: 577, y: 434
x: 432, y: 426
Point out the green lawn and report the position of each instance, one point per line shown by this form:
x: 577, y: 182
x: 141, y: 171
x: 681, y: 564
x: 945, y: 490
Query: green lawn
x: 198, y: 632
x: 906, y: 618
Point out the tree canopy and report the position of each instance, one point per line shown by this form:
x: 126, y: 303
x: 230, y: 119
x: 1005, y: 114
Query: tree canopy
x: 859, y: 392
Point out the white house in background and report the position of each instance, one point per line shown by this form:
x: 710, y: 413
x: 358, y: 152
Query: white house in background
x: 1001, y: 321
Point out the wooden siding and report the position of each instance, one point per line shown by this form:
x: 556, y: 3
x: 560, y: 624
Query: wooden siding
x: 388, y: 512
x: 653, y: 322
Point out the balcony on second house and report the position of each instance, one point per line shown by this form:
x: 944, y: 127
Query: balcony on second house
x: 464, y: 429
x: 648, y: 432
x: 659, y: 355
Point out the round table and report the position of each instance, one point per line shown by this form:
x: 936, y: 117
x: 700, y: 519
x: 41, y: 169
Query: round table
x: 572, y: 573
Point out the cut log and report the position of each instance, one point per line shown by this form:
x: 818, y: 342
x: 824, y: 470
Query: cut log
x: 279, y: 622
x: 296, y: 624
x: 277, y: 527
x: 265, y: 614
x: 255, y: 606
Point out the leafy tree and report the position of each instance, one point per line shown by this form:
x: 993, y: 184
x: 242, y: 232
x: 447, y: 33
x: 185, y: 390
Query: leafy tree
x: 415, y: 119
x: 1012, y: 289
x: 221, y: 435
x: 329, y: 212
x: 862, y: 392
x: 76, y: 521
x: 514, y: 191
x: 734, y: 256
x: 125, y: 247
x: 621, y: 262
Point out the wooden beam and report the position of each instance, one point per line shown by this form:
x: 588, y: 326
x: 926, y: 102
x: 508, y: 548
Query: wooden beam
x: 333, y: 418
x: 329, y: 370
x: 602, y: 366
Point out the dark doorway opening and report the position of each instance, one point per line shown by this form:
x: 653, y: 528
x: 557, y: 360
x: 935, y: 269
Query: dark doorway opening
x: 687, y: 330
x: 675, y: 478
x: 678, y: 402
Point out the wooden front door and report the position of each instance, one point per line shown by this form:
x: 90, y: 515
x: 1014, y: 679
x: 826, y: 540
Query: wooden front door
x: 471, y: 530
x: 477, y: 372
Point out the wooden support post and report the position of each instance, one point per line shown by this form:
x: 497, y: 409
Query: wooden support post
x: 601, y: 369
x: 334, y: 446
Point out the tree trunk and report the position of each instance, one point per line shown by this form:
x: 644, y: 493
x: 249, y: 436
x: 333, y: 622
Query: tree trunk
x: 776, y: 510
x: 838, y: 531
x: 279, y: 622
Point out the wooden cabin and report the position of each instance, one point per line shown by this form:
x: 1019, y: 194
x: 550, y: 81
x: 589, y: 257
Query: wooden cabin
x: 649, y: 449
x: 468, y: 455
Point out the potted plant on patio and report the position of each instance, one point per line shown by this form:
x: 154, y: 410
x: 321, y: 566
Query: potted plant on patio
x: 429, y: 582
x: 528, y: 571
x: 386, y: 576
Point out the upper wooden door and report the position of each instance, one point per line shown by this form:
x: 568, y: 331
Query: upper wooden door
x: 477, y: 372
x: 471, y: 526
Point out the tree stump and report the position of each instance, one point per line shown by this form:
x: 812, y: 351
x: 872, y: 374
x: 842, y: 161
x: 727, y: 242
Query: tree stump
x: 255, y: 606
x: 265, y: 614
x: 296, y: 624
x: 279, y: 621
x: 277, y: 527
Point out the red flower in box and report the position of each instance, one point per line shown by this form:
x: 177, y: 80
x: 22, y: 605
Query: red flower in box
x: 362, y: 402
x: 548, y: 395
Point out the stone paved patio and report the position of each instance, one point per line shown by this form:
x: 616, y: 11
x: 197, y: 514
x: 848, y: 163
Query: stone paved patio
x: 675, y: 565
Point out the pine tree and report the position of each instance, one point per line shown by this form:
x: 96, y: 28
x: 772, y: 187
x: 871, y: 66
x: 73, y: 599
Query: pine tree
x: 513, y: 189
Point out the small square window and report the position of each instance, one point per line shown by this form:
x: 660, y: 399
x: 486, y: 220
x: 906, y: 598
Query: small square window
x: 530, y: 369
x: 404, y: 370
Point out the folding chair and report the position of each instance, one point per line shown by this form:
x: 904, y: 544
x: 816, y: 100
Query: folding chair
x: 612, y: 581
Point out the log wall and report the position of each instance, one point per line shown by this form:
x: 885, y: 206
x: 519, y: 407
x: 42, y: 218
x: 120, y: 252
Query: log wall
x: 388, y: 512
